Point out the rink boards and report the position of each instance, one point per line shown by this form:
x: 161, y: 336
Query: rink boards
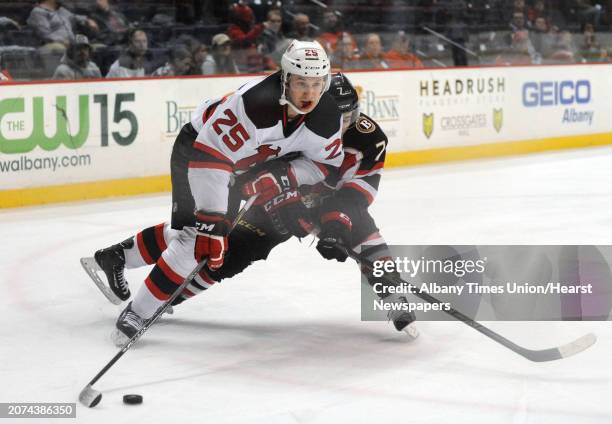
x: 65, y: 141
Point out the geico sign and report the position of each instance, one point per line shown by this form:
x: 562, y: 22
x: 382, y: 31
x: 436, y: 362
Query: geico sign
x: 550, y: 93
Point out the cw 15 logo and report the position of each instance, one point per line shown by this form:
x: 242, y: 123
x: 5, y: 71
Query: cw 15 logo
x: 64, y: 127
x: 551, y: 93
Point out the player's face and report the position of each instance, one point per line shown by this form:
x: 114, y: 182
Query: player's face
x: 304, y: 92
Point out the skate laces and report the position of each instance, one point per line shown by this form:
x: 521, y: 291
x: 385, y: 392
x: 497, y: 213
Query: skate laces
x: 120, y: 279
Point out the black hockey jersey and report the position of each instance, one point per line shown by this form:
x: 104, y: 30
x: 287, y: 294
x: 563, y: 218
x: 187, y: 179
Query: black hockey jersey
x: 365, y: 148
x: 249, y: 127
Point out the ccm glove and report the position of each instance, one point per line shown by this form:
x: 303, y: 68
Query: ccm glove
x: 289, y: 213
x: 211, y: 239
x: 270, y: 183
x: 335, y: 232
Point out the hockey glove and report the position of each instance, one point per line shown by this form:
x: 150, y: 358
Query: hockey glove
x: 335, y: 233
x: 287, y: 208
x: 211, y: 239
x: 270, y: 183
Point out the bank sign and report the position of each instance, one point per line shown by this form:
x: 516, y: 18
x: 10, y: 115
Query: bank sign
x: 573, y: 98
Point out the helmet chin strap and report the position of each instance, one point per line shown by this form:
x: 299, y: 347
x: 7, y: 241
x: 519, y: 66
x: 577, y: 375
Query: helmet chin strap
x: 285, y: 101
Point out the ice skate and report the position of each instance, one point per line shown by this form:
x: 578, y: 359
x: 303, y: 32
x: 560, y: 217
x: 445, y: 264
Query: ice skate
x: 111, y: 261
x: 127, y: 325
x: 404, y: 321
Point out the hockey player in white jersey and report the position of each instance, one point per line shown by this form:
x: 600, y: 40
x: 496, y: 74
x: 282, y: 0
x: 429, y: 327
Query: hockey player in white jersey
x: 257, y: 234
x: 287, y: 112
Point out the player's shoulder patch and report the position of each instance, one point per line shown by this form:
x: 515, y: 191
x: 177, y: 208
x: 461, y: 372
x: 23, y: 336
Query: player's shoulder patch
x: 365, y: 125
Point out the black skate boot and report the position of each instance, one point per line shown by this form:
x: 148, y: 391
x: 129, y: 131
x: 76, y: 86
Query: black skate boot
x: 127, y: 325
x: 112, y: 261
x: 403, y: 320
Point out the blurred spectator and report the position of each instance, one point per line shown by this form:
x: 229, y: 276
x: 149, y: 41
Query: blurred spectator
x: 223, y: 62
x: 332, y: 31
x: 372, y: 56
x: 272, y: 37
x: 540, y: 37
x: 8, y: 23
x: 302, y: 29
x: 199, y: 53
x: 76, y: 63
x: 345, y: 56
x: 180, y: 63
x: 132, y: 61
x: 55, y: 25
x: 519, y: 52
x: 113, y: 24
x: 563, y: 50
x: 590, y: 49
x: 400, y: 55
x: 244, y: 33
x: 518, y: 21
x: 536, y: 11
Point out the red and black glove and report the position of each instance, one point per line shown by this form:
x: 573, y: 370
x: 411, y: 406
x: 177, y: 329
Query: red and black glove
x: 335, y: 232
x: 288, y: 212
x: 211, y: 239
x: 270, y: 183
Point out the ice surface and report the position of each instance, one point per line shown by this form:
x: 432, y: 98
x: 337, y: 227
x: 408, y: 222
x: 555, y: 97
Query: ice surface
x: 283, y: 342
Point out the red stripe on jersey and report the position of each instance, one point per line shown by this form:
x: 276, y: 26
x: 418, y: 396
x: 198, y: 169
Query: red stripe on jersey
x: 206, y: 278
x: 211, y: 165
x: 322, y: 167
x: 350, y: 160
x: 143, y: 249
x: 208, y: 112
x: 362, y: 190
x: 188, y: 293
x: 168, y: 272
x: 302, y: 117
x: 159, y: 237
x: 209, y: 150
x: 155, y: 291
x: 378, y: 166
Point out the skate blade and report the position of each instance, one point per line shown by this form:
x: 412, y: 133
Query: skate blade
x: 91, y: 268
x: 118, y: 338
x: 412, y: 331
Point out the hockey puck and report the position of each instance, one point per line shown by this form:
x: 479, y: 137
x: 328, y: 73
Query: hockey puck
x: 132, y: 399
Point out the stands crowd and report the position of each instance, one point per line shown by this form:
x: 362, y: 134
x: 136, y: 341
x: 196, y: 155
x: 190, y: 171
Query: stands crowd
x: 133, y: 38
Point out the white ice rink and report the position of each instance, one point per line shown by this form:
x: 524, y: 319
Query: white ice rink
x: 283, y: 342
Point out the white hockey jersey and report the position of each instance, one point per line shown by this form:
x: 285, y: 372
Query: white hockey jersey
x: 249, y: 127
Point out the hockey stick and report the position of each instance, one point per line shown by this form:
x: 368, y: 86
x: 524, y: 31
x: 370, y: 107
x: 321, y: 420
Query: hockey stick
x: 89, y: 396
x: 544, y: 355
